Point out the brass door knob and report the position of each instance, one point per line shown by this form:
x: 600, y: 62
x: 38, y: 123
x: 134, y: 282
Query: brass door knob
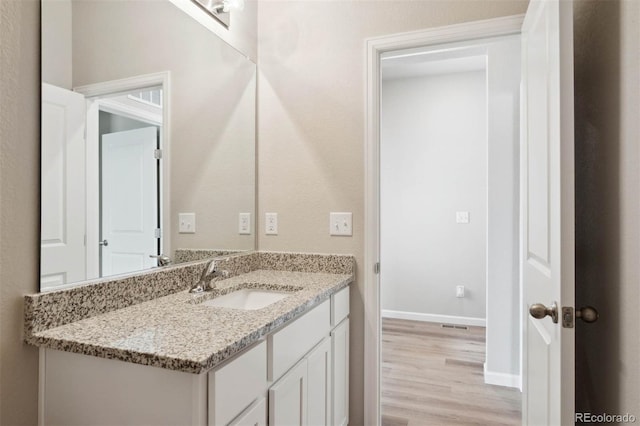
x: 539, y: 311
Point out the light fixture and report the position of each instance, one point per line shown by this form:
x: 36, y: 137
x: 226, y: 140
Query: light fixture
x: 220, y: 9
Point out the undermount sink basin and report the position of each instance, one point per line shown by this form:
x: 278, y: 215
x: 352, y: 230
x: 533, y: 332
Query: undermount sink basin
x: 248, y: 299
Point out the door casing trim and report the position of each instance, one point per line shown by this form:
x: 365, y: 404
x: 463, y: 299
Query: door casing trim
x: 374, y: 48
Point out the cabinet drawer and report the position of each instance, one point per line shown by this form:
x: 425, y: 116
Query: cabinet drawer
x: 339, y: 306
x: 233, y: 387
x: 289, y: 345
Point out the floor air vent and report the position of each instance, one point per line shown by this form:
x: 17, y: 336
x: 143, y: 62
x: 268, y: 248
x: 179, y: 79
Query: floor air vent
x: 459, y: 327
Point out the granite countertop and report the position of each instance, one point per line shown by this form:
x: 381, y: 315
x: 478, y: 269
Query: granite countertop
x: 178, y: 333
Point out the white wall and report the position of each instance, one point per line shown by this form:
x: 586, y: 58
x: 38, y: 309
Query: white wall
x: 502, y: 364
x: 433, y: 150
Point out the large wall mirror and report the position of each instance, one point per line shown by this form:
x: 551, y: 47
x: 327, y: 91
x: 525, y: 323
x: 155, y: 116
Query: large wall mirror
x: 148, y: 140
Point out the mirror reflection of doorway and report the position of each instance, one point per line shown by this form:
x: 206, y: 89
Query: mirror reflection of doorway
x: 129, y: 179
x: 128, y: 200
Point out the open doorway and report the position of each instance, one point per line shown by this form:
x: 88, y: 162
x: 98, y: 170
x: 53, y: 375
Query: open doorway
x: 129, y: 127
x: 449, y: 233
x: 127, y: 173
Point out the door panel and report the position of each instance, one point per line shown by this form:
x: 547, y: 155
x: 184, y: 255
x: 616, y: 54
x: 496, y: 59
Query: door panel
x: 129, y: 205
x: 319, y: 385
x: 548, y: 210
x: 288, y: 398
x: 63, y: 191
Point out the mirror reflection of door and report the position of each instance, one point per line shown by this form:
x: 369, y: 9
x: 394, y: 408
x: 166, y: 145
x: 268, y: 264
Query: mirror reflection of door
x: 129, y: 211
x: 63, y: 187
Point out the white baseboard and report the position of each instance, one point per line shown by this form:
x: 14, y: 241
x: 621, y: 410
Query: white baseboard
x: 502, y: 379
x: 445, y: 319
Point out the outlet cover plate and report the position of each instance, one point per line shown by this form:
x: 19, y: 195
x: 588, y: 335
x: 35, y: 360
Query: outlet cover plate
x: 187, y: 223
x: 271, y: 223
x: 341, y: 223
x: 462, y: 217
x: 244, y: 223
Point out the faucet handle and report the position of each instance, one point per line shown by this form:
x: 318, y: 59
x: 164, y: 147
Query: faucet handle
x: 163, y: 259
x: 209, y: 268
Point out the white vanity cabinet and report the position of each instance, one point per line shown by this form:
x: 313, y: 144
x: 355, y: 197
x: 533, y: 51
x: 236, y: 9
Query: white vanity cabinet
x: 237, y: 384
x: 316, y: 390
x: 303, y: 395
x: 297, y: 375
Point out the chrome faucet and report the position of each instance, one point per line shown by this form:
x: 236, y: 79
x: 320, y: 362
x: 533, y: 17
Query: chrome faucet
x: 163, y: 259
x: 210, y: 275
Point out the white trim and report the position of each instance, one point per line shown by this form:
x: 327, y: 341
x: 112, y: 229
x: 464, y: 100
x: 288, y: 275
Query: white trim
x: 444, y: 319
x: 374, y: 47
x: 99, y: 91
x: 114, y: 107
x: 502, y: 379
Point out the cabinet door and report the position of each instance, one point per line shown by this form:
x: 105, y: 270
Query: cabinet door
x: 288, y: 398
x: 255, y: 416
x: 319, y: 385
x: 340, y: 360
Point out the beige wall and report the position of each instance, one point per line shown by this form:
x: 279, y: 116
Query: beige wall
x: 212, y: 108
x: 19, y: 204
x: 607, y: 77
x: 311, y: 151
x: 311, y: 122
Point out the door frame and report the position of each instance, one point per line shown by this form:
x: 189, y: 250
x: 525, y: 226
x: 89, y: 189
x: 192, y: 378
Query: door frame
x: 375, y: 47
x: 95, y: 94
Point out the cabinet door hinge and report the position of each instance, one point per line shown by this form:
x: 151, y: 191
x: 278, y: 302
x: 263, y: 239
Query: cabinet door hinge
x: 158, y: 233
x: 376, y: 268
x: 157, y: 154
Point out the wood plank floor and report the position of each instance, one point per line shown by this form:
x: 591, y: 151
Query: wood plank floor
x: 434, y: 376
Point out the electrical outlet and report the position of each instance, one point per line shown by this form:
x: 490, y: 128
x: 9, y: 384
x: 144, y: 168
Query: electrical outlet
x: 187, y: 223
x: 271, y: 223
x: 244, y: 223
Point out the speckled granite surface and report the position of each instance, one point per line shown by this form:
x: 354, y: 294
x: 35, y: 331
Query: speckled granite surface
x: 183, y: 255
x: 151, y: 319
x: 55, y: 308
x: 179, y: 333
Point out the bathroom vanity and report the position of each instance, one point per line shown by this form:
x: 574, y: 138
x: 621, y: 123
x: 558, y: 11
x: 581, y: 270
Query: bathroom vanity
x: 180, y: 359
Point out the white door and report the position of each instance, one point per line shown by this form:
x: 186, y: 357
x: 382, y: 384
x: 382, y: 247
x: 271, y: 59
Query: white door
x: 129, y: 200
x: 548, y: 210
x: 62, y: 257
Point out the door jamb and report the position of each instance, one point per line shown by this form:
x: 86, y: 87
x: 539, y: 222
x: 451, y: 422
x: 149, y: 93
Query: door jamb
x: 374, y: 48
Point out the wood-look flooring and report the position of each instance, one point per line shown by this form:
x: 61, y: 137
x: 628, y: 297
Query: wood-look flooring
x: 433, y: 376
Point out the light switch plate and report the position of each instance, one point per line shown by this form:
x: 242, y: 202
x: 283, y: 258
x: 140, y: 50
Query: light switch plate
x: 271, y: 223
x: 187, y: 223
x: 340, y: 223
x: 244, y: 223
x: 462, y: 217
